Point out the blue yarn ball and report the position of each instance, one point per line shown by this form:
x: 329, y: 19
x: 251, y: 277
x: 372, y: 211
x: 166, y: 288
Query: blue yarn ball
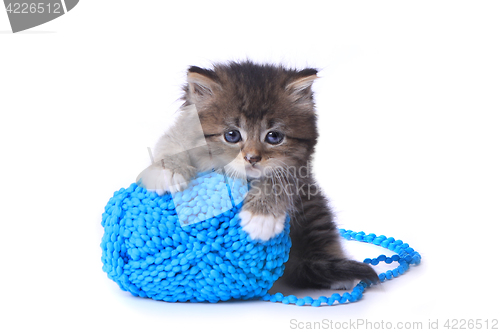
x: 188, y: 246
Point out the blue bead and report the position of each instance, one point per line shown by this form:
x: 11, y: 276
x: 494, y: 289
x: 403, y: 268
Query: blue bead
x: 308, y: 299
x: 323, y: 299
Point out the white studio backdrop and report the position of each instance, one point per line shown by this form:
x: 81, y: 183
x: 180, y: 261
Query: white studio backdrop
x: 408, y: 106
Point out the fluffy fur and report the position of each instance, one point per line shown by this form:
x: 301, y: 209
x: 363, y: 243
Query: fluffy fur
x: 270, y: 110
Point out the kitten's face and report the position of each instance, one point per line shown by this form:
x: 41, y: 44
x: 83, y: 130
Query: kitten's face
x: 256, y: 119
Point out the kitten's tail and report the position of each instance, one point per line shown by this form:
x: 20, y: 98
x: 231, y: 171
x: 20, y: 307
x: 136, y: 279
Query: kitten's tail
x: 329, y: 273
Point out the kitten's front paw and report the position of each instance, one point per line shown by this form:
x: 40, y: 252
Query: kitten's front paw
x: 262, y: 227
x: 161, y: 180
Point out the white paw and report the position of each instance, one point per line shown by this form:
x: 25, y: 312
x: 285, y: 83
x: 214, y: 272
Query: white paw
x: 161, y: 180
x: 263, y: 227
x: 342, y: 285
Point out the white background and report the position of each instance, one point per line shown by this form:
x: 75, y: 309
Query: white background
x: 408, y: 104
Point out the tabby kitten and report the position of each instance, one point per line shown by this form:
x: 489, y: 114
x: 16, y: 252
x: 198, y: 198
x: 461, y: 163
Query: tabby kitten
x: 258, y: 122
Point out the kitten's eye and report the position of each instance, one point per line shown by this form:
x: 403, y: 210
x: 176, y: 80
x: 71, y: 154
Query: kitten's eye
x: 274, y: 137
x: 232, y: 136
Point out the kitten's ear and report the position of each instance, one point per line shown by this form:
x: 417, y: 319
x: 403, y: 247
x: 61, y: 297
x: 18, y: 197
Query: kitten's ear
x: 300, y: 84
x: 201, y: 83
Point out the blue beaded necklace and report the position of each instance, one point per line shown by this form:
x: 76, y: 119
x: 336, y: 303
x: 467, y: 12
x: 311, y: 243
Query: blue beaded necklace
x: 405, y: 256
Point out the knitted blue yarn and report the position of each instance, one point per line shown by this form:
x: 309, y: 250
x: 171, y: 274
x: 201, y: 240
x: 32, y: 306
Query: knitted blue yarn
x: 189, y: 246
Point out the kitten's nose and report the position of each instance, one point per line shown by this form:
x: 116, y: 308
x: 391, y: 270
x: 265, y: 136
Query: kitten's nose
x: 252, y: 159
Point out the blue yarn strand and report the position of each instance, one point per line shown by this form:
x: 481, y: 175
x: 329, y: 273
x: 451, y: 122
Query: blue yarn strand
x: 406, y: 256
